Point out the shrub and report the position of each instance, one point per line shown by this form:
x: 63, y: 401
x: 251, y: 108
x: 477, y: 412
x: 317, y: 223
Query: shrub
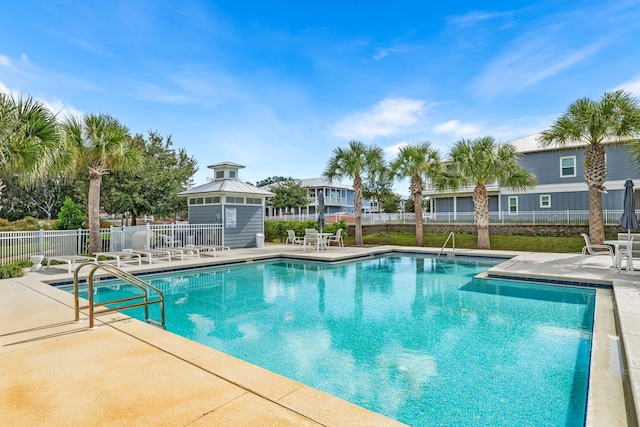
x: 277, y: 230
x: 70, y: 216
x: 11, y: 270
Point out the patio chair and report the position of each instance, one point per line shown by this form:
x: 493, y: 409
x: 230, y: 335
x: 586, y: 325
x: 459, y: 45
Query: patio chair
x: 337, y: 238
x: 121, y: 256
x: 311, y: 238
x: 293, y: 240
x: 596, y: 250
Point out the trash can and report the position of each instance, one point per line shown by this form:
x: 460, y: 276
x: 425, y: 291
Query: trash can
x: 259, y: 240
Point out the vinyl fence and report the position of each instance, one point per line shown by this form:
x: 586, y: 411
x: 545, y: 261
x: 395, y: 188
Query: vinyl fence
x: 19, y: 245
x: 572, y: 217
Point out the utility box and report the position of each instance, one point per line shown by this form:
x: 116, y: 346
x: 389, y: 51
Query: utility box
x: 259, y: 240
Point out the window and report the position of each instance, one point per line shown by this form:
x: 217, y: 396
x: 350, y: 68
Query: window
x: 236, y: 200
x: 513, y: 205
x: 567, y: 166
x: 251, y: 201
x: 232, y: 174
x: 545, y: 200
x: 219, y: 174
x: 196, y: 201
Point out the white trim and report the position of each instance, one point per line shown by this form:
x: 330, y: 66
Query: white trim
x: 509, y: 205
x: 548, y: 206
x: 575, y: 167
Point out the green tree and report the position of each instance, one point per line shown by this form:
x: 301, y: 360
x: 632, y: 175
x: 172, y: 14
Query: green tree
x: 354, y: 162
x: 288, y: 194
x: 378, y: 183
x: 480, y: 162
x: 154, y: 190
x: 614, y: 119
x: 29, y: 140
x: 70, y: 216
x: 417, y: 162
x: 390, y: 202
x: 272, y: 180
x: 98, y: 144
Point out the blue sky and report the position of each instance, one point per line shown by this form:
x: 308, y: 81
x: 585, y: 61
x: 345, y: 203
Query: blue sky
x: 276, y: 86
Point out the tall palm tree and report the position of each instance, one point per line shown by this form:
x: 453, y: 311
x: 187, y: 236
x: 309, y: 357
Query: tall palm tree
x: 480, y: 162
x: 29, y: 139
x: 614, y: 119
x: 417, y: 162
x: 354, y: 162
x: 99, y: 144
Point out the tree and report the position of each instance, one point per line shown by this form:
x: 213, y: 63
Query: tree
x: 378, y: 184
x: 41, y: 201
x: 354, y: 162
x: 390, y: 202
x: 98, y: 144
x: 614, y: 119
x: 272, y: 180
x: 153, y: 191
x: 70, y: 216
x: 29, y: 140
x: 417, y: 162
x: 479, y: 162
x: 288, y: 194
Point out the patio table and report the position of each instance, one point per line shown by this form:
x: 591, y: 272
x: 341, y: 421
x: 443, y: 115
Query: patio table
x: 617, y: 244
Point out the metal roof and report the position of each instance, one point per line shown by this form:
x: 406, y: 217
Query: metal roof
x: 227, y: 186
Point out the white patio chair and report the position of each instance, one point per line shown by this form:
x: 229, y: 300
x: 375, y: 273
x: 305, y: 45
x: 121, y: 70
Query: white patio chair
x: 596, y: 250
x: 337, y: 238
x: 311, y: 238
x: 293, y: 240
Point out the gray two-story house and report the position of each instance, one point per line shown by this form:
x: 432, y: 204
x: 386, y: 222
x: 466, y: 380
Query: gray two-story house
x: 560, y: 183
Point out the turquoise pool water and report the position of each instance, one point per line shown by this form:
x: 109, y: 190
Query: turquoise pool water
x: 415, y: 339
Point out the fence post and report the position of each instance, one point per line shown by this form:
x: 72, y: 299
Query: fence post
x: 41, y: 241
x: 147, y: 244
x: 533, y: 217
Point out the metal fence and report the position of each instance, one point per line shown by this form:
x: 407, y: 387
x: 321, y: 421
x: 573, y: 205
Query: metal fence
x: 574, y: 217
x: 19, y: 245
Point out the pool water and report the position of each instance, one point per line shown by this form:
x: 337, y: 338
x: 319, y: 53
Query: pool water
x: 412, y: 338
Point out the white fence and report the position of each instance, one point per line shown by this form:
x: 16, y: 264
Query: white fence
x: 575, y: 217
x: 18, y: 245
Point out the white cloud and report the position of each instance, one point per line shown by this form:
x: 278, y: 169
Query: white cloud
x: 5, y: 61
x: 383, y: 52
x: 474, y: 17
x: 632, y: 85
x: 393, y: 150
x: 458, y: 129
x: 386, y: 118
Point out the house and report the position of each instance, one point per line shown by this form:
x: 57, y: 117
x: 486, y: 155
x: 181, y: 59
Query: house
x: 560, y: 183
x: 237, y: 205
x: 338, y: 198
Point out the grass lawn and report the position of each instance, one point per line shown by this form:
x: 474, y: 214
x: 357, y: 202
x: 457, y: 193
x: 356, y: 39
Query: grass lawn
x: 469, y: 241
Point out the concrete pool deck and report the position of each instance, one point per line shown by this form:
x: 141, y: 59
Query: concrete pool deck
x: 55, y: 371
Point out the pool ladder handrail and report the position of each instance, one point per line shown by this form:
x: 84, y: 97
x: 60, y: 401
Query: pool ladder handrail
x: 453, y: 246
x: 126, y: 277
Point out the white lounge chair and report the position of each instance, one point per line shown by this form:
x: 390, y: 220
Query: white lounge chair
x: 293, y: 240
x: 70, y: 260
x: 337, y: 238
x: 121, y: 256
x: 596, y: 250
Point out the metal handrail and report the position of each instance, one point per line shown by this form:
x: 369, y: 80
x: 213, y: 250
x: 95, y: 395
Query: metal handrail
x: 124, y: 276
x: 453, y: 243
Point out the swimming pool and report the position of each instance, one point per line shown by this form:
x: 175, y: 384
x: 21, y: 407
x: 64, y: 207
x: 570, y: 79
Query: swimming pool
x: 412, y: 338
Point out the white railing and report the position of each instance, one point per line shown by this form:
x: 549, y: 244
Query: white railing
x: 18, y: 245
x: 576, y: 217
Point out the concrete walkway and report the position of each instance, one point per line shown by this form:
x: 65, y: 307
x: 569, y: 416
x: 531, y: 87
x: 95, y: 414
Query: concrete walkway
x: 55, y: 371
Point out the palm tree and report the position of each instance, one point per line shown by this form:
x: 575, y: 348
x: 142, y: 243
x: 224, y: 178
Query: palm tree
x: 29, y: 139
x: 353, y: 163
x: 479, y: 162
x: 614, y: 119
x: 99, y: 144
x: 416, y: 162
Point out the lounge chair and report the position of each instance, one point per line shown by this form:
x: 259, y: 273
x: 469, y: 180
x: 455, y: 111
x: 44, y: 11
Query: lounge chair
x: 152, y: 254
x: 121, y: 256
x: 202, y: 249
x: 596, y: 250
x: 293, y: 240
x: 337, y: 238
x: 71, y: 260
